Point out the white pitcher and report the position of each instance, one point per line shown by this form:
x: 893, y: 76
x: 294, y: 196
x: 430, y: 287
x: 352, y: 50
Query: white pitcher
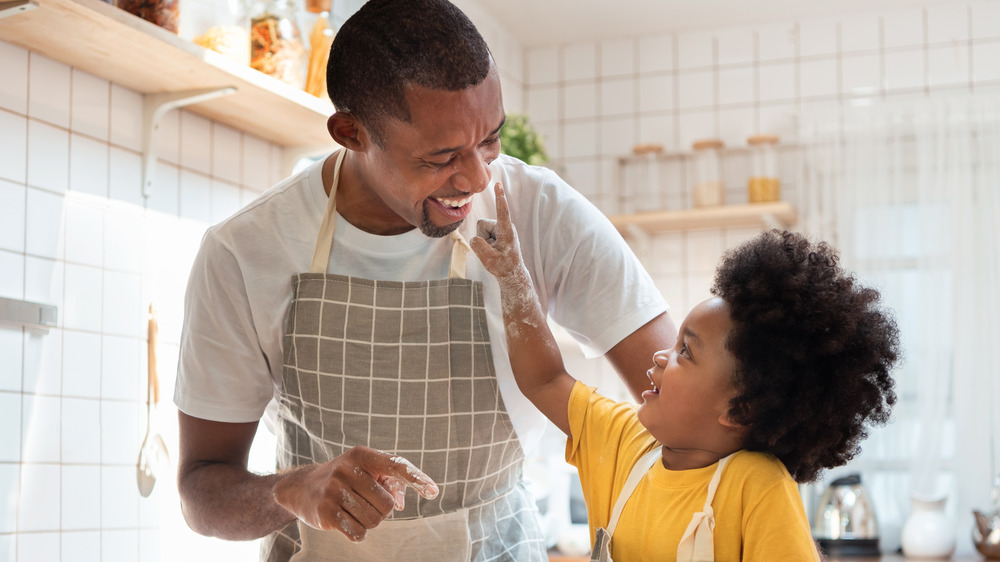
x: 928, y: 533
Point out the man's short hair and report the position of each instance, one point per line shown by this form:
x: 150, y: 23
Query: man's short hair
x: 389, y: 44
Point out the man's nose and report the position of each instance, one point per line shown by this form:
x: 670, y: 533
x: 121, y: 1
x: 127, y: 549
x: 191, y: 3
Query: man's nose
x: 473, y: 175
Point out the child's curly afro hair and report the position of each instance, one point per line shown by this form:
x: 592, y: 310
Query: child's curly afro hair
x: 814, y: 352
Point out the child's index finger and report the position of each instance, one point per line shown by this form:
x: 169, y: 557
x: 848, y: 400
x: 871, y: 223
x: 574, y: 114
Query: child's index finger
x: 503, y: 212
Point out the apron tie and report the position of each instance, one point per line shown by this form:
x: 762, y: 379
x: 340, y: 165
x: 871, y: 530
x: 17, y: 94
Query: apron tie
x: 698, y: 542
x: 459, y: 251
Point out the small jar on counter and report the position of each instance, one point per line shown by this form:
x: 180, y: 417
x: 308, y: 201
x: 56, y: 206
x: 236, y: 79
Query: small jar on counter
x: 706, y: 173
x: 276, y: 47
x: 764, y: 185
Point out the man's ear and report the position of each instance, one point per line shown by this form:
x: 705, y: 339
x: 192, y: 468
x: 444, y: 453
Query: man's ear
x: 348, y: 131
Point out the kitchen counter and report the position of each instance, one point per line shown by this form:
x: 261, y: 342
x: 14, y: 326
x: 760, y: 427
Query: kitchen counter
x: 554, y: 557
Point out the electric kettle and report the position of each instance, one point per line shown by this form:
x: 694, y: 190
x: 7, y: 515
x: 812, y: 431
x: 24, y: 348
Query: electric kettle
x: 844, y: 523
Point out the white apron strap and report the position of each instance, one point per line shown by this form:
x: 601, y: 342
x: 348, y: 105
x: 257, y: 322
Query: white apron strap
x: 640, y: 469
x: 698, y: 542
x: 601, y: 551
x: 324, y: 240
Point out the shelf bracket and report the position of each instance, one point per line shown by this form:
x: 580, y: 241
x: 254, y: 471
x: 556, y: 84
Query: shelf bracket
x: 31, y: 315
x: 14, y: 7
x: 154, y: 107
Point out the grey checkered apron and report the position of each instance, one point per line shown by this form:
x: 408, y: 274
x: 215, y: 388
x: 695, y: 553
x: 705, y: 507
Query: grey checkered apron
x: 404, y: 367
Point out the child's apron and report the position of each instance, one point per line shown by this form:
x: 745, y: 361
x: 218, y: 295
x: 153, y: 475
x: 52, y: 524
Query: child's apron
x: 698, y: 542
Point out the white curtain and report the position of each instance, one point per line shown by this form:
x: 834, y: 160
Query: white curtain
x: 910, y: 194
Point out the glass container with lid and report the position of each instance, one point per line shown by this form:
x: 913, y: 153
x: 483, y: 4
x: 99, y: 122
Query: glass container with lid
x: 320, y: 39
x: 706, y: 173
x: 276, y: 47
x: 764, y: 184
x: 224, y: 29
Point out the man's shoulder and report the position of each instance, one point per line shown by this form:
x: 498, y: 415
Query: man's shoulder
x: 286, y: 206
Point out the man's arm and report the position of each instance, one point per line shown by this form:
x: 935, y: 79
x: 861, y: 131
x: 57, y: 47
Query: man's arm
x: 632, y: 356
x: 220, y: 497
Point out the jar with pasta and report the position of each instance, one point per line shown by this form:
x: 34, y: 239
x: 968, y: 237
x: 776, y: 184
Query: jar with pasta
x: 706, y: 173
x: 321, y: 33
x: 225, y: 30
x: 764, y: 185
x: 276, y: 47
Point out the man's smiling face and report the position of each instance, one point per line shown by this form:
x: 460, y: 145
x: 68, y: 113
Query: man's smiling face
x: 432, y: 165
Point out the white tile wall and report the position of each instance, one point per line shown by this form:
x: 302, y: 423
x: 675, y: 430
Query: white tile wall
x: 48, y: 90
x: 90, y: 110
x: 734, y: 82
x: 14, y: 88
x: 13, y: 152
x: 76, y: 232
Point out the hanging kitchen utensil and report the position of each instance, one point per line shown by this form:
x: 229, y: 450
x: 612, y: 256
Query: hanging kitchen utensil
x: 153, y: 455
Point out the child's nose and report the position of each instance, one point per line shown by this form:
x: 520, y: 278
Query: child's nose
x: 661, y: 358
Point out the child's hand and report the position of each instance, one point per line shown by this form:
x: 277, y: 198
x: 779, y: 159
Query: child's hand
x: 496, y: 241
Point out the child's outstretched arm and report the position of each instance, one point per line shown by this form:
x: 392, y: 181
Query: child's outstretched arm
x: 534, y: 355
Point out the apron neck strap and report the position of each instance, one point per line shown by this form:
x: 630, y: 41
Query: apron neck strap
x: 324, y: 240
x: 640, y: 469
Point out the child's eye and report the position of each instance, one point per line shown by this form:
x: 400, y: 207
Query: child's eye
x: 684, y: 352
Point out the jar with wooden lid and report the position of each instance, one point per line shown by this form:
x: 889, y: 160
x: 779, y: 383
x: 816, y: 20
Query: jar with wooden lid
x: 764, y: 185
x: 706, y: 173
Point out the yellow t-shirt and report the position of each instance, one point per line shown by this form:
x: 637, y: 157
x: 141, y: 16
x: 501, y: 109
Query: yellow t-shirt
x: 758, y: 510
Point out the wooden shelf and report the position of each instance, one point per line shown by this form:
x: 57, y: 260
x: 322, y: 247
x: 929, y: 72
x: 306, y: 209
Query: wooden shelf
x: 103, y: 40
x: 766, y: 215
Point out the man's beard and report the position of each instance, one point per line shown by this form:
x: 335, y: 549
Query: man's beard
x: 432, y: 230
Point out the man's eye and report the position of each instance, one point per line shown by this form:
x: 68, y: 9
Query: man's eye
x: 440, y: 164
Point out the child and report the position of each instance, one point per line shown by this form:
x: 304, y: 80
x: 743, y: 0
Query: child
x: 770, y: 381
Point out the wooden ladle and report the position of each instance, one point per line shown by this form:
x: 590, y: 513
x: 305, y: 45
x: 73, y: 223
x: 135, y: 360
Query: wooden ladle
x: 153, y: 453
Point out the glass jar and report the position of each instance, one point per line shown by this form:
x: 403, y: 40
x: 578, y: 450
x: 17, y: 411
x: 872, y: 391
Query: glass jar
x: 164, y: 13
x: 764, y: 184
x: 706, y: 173
x: 321, y: 33
x: 276, y: 47
x: 225, y: 30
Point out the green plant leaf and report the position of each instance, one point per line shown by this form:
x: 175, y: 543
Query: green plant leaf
x: 518, y: 138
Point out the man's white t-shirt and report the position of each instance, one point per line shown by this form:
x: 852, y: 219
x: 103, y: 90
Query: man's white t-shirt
x: 239, y: 291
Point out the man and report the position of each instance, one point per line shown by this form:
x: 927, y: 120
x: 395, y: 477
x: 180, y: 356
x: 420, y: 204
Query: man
x: 388, y: 348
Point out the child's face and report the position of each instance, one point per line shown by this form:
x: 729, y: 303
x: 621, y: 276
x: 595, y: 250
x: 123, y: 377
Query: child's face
x: 686, y: 408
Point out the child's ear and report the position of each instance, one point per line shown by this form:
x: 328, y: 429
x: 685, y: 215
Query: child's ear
x: 726, y: 421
